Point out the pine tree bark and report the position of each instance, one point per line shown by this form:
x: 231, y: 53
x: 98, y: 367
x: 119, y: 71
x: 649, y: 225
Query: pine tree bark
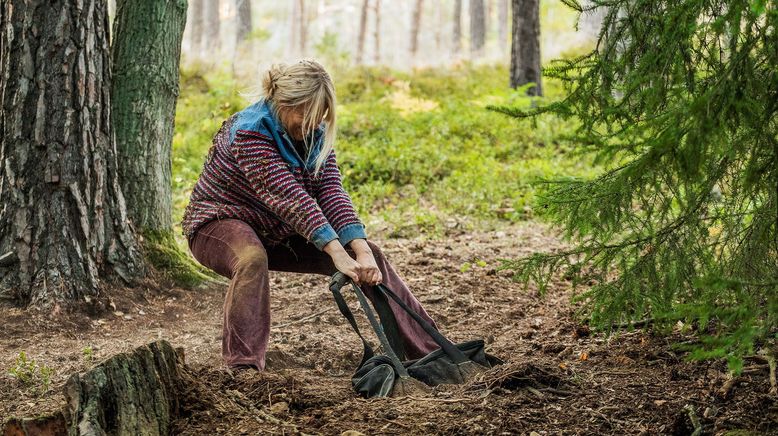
x: 64, y: 230
x: 145, y: 54
x: 243, y: 28
x: 525, y: 48
x: 212, y: 21
x: 196, y: 19
x: 457, y: 37
x: 477, y: 28
x: 415, y: 26
x: 362, y: 32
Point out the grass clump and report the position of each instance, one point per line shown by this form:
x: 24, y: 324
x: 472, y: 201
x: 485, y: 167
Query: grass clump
x: 30, y: 373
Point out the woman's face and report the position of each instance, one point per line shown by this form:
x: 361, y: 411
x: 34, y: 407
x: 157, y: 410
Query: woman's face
x: 292, y: 119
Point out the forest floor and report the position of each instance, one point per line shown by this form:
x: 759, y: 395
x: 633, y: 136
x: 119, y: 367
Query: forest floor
x: 558, y: 377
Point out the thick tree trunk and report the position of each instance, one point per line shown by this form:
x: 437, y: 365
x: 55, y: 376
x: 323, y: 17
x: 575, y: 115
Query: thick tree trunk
x: 415, y: 26
x: 63, y: 219
x: 145, y: 54
x: 477, y: 28
x: 212, y: 21
x: 243, y: 19
x: 133, y: 393
x: 457, y: 37
x: 502, y: 25
x: 362, y: 32
x: 377, y: 54
x: 196, y: 8
x: 525, y: 50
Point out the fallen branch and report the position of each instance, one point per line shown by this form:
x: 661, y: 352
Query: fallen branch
x: 556, y: 391
x: 439, y: 400
x: 298, y: 321
x: 695, y: 420
x: 773, y: 387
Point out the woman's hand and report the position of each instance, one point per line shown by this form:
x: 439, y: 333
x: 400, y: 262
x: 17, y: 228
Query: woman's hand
x: 362, y: 270
x: 343, y: 262
x: 371, y: 275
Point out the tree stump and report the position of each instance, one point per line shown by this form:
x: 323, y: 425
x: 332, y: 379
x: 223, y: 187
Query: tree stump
x: 132, y: 393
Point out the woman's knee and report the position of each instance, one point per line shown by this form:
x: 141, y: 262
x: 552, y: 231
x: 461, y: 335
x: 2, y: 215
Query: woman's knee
x: 251, y: 258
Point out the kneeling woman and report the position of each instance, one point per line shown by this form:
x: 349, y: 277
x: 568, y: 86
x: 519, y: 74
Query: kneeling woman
x: 270, y: 198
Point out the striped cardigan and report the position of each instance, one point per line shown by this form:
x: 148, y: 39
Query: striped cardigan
x: 246, y: 176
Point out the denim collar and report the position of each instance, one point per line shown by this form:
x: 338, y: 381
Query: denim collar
x: 260, y: 118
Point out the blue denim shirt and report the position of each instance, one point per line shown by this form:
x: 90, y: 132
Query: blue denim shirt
x: 259, y: 117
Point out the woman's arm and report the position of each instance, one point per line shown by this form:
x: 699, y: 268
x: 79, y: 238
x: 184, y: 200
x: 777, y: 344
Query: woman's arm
x: 277, y: 188
x: 336, y: 204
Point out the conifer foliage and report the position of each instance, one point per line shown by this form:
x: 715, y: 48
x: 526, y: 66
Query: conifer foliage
x: 678, y: 102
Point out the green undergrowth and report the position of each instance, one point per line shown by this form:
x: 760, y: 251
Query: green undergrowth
x: 418, y: 149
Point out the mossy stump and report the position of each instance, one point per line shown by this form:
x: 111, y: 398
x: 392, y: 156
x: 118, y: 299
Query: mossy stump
x: 132, y: 393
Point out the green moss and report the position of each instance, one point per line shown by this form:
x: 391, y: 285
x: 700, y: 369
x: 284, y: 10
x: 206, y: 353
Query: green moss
x: 167, y: 257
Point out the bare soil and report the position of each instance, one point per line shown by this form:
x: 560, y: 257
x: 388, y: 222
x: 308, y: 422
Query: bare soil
x: 559, y: 377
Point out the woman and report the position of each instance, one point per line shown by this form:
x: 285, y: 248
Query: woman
x: 270, y: 198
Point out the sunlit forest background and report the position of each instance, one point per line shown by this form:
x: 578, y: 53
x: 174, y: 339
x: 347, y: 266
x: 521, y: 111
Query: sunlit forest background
x: 418, y: 149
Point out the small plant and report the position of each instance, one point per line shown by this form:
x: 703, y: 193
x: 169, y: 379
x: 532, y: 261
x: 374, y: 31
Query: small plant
x: 30, y: 373
x: 45, y: 373
x: 24, y: 370
x: 88, y: 353
x: 468, y: 265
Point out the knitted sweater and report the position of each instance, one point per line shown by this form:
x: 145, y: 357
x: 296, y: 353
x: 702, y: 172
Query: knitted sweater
x: 248, y: 176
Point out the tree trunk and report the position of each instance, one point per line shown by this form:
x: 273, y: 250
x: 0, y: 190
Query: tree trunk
x: 303, y: 26
x: 133, y: 393
x: 525, y: 50
x: 145, y: 55
x: 243, y: 17
x: 457, y: 37
x: 415, y: 25
x: 377, y: 54
x: 63, y: 219
x: 477, y: 28
x: 295, y: 27
x: 212, y: 21
x: 502, y: 25
x: 196, y: 29
x: 362, y: 32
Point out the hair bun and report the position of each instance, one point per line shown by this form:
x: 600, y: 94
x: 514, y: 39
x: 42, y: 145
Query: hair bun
x: 270, y: 81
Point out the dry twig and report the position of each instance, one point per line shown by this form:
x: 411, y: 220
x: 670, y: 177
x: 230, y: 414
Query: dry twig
x: 301, y: 320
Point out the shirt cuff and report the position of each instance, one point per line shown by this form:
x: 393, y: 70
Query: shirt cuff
x: 323, y: 235
x: 350, y: 232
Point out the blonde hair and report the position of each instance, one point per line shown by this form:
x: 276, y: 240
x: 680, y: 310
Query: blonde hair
x: 304, y: 84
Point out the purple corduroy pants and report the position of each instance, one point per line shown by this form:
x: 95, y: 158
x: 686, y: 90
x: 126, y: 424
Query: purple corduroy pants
x: 231, y: 248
